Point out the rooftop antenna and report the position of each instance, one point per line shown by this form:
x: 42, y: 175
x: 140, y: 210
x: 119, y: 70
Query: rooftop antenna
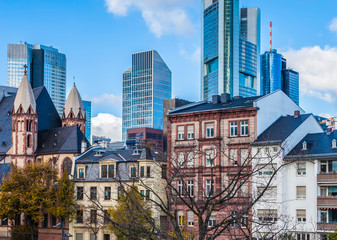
x: 25, y: 71
x: 74, y: 79
x: 271, y: 46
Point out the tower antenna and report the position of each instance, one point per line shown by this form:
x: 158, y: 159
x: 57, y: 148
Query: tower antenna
x: 271, y: 45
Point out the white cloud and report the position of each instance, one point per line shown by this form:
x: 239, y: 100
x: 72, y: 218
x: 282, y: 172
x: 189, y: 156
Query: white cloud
x: 107, y: 99
x: 333, y: 25
x: 161, y: 16
x: 107, y: 125
x: 194, y: 55
x: 318, y: 70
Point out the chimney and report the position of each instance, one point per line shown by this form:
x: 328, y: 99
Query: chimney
x: 296, y: 113
x: 83, y: 146
x: 225, y: 97
x: 215, y: 99
x: 328, y: 131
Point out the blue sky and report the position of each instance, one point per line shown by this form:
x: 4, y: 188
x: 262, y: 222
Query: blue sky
x: 99, y: 36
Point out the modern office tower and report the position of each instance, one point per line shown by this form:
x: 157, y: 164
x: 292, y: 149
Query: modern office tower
x: 290, y: 84
x: 87, y: 108
x: 220, y: 48
x: 271, y: 68
x: 46, y: 67
x: 250, y: 42
x: 145, y: 85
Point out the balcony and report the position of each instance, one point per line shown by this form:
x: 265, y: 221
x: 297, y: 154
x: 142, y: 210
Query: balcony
x: 327, y: 177
x: 327, y: 226
x: 327, y: 202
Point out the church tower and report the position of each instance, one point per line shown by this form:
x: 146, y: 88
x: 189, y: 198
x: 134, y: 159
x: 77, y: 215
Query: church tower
x: 73, y: 111
x: 24, y: 124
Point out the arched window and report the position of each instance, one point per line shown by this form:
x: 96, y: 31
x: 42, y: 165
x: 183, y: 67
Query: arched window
x: 29, y: 139
x: 66, y: 166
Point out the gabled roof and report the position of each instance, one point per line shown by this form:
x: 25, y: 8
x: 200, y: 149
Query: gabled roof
x: 60, y: 140
x: 318, y: 145
x: 25, y: 96
x: 280, y: 129
x: 74, y: 103
x: 233, y: 103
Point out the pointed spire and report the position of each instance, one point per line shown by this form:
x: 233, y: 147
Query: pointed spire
x: 74, y: 103
x: 24, y: 96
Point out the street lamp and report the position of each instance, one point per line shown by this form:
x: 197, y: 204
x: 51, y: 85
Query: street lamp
x: 63, y: 234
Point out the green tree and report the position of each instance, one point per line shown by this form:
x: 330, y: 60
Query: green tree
x: 28, y: 190
x: 130, y: 218
x: 333, y: 236
x: 63, y: 204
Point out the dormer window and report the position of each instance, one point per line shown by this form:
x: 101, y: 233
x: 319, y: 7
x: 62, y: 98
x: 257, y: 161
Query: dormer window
x: 304, y: 146
x: 107, y: 171
x: 334, y: 143
x: 81, y: 171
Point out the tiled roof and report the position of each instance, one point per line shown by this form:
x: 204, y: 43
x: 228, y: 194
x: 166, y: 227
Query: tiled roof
x: 233, y: 103
x: 280, y: 129
x: 318, y: 145
x: 60, y: 140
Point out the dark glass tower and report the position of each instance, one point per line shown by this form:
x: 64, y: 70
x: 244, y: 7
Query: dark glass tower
x: 290, y: 84
x: 145, y: 85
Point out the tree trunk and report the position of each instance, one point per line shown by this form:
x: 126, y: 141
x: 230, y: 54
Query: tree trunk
x: 31, y: 225
x: 62, y: 226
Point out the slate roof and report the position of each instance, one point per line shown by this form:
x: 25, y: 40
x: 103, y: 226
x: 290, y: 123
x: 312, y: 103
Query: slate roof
x: 60, y: 140
x: 280, y: 129
x: 48, y: 116
x: 25, y: 96
x: 318, y: 144
x: 4, y: 169
x: 74, y: 103
x: 233, y: 103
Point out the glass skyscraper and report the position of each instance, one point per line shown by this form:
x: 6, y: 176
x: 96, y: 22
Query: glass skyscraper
x: 220, y: 48
x: 87, y: 108
x: 46, y: 67
x: 145, y: 85
x: 290, y: 84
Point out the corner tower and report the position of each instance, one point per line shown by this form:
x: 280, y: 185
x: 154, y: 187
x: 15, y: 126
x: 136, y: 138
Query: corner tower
x: 24, y: 123
x: 73, y: 111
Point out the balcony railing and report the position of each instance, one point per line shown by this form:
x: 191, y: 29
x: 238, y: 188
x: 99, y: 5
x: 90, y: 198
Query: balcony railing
x: 329, y: 201
x: 327, y: 177
x: 327, y: 226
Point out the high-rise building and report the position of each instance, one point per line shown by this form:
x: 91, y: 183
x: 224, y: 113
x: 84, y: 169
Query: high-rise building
x: 250, y: 35
x: 46, y: 67
x: 220, y: 48
x: 290, y: 84
x: 145, y: 85
x: 87, y: 108
x: 275, y: 75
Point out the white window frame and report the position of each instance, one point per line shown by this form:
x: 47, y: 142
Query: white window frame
x: 209, y: 187
x: 233, y: 129
x: 180, y: 188
x: 190, y: 159
x: 181, y: 131
x: 190, y: 188
x: 209, y: 130
x: 300, y: 189
x: 190, y: 132
x: 190, y: 219
x: 181, y: 218
x: 79, y: 170
x: 299, y: 215
x: 180, y: 159
x: 301, y: 171
x: 244, y: 129
x: 209, y: 157
x: 244, y: 156
x: 326, y: 191
x: 233, y: 156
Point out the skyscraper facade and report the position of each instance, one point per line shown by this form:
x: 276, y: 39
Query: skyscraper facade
x: 290, y: 84
x: 220, y: 48
x: 87, y: 108
x: 250, y: 34
x: 145, y: 85
x: 46, y: 67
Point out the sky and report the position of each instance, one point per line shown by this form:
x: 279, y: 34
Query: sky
x: 99, y: 36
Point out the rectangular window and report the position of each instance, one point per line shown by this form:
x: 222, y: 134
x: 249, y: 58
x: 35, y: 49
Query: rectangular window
x: 133, y: 171
x: 209, y: 185
x: 93, y: 216
x: 233, y: 157
x: 79, y: 216
x: 4, y: 221
x: 180, y: 188
x: 148, y: 171
x: 266, y: 170
x: 190, y: 159
x: 190, y: 219
x: 80, y: 193
x: 106, y: 217
x: 119, y: 192
x: 147, y: 195
x: 267, y: 215
x: 163, y: 171
x: 111, y: 173
x: 190, y: 132
x: 270, y: 193
x: 104, y: 171
x: 142, y: 171
x: 92, y: 236
x: 45, y: 220
x: 93, y: 193
x: 324, y: 167
x: 181, y: 218
x: 324, y: 191
x: 211, y: 221
x: 324, y: 216
x: 300, y: 192
x: 244, y: 128
x: 81, y: 173
x: 107, y: 193
x: 180, y: 160
x: 244, y: 156
x: 244, y: 190
x: 79, y: 236
x: 106, y: 237
x: 181, y: 132
x: 209, y: 158
x: 301, y: 169
x: 190, y: 188
x: 301, y: 215
x: 233, y: 129
x: 209, y: 130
